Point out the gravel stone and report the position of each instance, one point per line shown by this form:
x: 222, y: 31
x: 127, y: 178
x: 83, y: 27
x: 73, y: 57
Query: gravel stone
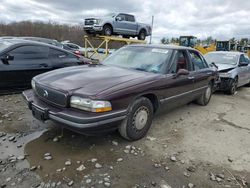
x: 173, y: 159
x: 97, y: 165
x: 115, y: 143
x: 81, y: 168
x: 67, y: 163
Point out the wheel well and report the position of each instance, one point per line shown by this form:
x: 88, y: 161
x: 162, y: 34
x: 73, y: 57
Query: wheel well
x: 154, y: 100
x: 143, y: 29
x: 108, y: 24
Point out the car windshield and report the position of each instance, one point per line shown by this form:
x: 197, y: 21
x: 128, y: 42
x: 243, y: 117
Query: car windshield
x: 139, y: 58
x: 4, y: 45
x: 221, y: 58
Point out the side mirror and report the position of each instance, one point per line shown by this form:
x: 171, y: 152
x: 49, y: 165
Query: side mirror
x: 118, y: 18
x: 6, y: 58
x: 242, y: 64
x: 181, y: 72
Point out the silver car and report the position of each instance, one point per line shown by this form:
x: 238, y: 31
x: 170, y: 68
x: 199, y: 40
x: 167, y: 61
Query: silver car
x: 233, y: 67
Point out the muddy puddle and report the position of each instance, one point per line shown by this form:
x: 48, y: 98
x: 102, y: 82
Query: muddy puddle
x: 76, y: 148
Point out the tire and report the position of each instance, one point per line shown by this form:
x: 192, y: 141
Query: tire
x: 142, y: 35
x: 204, y: 99
x: 125, y: 36
x: 138, y: 121
x: 233, y: 86
x: 107, y: 30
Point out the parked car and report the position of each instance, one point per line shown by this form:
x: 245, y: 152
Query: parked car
x: 117, y: 24
x: 233, y: 67
x: 74, y: 47
x: 124, y: 91
x: 21, y: 60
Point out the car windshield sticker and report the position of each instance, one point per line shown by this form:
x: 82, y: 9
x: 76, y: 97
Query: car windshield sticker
x: 157, y: 50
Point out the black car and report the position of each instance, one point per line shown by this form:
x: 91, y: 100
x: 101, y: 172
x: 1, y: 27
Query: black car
x: 21, y: 60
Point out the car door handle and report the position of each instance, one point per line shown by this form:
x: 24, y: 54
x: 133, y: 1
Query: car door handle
x: 43, y: 65
x: 190, y: 77
x: 209, y: 73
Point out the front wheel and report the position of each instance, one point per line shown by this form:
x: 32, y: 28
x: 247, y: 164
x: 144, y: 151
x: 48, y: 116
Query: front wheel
x: 138, y: 121
x: 107, y: 30
x: 233, y: 86
x: 204, y: 99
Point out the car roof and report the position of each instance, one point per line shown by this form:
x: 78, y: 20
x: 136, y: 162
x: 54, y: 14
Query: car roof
x: 173, y: 47
x: 18, y: 41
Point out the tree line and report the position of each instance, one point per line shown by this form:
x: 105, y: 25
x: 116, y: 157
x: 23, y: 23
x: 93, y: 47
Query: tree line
x: 51, y: 30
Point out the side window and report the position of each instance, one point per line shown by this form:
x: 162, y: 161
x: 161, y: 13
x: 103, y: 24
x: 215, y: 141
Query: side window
x: 198, y: 61
x: 130, y: 18
x: 122, y: 16
x: 30, y: 52
x: 180, y: 62
x: 247, y: 59
x: 54, y: 53
x: 244, y: 58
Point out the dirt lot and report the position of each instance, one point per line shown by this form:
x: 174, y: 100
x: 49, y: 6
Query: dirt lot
x: 192, y: 146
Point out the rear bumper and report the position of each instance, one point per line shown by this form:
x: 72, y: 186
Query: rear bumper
x: 72, y: 118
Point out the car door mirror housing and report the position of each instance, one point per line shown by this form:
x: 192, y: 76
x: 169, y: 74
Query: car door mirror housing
x: 181, y: 72
x: 118, y: 18
x: 6, y: 58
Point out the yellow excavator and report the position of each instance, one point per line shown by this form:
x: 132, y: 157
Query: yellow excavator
x: 191, y: 41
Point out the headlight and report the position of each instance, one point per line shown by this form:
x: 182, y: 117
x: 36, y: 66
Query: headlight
x: 97, y: 21
x: 226, y: 74
x: 33, y: 84
x: 90, y: 105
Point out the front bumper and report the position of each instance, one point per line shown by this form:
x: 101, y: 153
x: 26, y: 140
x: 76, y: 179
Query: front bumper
x: 225, y: 83
x: 93, y: 28
x: 72, y: 118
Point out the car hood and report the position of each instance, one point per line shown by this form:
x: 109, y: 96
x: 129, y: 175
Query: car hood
x: 91, y: 80
x: 222, y: 67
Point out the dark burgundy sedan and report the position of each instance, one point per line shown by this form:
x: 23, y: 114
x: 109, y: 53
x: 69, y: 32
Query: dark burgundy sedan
x: 124, y: 91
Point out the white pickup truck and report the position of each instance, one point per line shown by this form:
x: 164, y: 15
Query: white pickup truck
x: 117, y: 24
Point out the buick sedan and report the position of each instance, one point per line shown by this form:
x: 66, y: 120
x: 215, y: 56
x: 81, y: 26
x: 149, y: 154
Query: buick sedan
x: 124, y: 91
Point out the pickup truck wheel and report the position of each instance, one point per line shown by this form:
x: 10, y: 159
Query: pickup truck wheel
x: 107, y: 30
x: 138, y: 121
x: 126, y: 36
x: 142, y: 35
x: 204, y: 99
x: 233, y: 86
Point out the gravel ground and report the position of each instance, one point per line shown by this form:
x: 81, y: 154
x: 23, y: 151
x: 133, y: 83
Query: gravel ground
x: 191, y: 146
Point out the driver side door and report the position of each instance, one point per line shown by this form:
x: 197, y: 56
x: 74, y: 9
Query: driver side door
x: 177, y: 88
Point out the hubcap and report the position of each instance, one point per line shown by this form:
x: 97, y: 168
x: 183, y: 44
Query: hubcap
x: 140, y: 118
x: 107, y: 31
x: 208, y: 93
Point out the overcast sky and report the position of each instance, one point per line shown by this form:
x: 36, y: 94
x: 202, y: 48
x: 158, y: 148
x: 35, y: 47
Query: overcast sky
x: 221, y: 19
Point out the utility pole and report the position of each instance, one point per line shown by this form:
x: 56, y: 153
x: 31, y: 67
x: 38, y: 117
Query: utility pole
x: 152, y: 24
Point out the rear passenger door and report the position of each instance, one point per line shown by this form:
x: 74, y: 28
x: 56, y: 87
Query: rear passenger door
x: 131, y: 24
x: 60, y: 58
x: 200, y: 73
x: 28, y: 61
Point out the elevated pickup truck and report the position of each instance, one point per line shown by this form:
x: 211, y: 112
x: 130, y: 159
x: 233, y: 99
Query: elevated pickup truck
x: 117, y: 24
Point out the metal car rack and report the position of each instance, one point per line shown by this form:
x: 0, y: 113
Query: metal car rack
x: 104, y: 42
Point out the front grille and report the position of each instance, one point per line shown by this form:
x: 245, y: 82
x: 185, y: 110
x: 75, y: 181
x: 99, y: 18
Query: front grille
x: 89, y: 22
x: 51, y: 96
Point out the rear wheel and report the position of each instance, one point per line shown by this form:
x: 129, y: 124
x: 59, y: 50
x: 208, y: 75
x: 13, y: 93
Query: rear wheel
x: 142, y: 35
x: 125, y: 36
x: 139, y: 120
x: 107, y: 30
x: 233, y: 86
x: 206, y: 96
